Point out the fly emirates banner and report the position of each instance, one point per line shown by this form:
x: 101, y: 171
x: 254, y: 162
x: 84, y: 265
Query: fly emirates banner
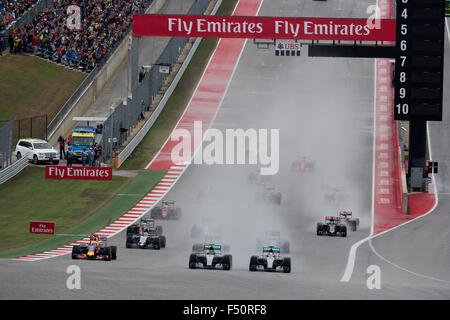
x: 264, y: 27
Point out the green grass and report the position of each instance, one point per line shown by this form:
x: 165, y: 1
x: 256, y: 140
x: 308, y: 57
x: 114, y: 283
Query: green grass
x: 30, y: 86
x: 177, y: 102
x: 29, y: 196
x: 77, y: 207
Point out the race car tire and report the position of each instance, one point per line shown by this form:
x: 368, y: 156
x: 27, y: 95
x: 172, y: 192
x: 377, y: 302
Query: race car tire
x: 343, y: 231
x: 286, y: 265
x: 128, y: 244
x: 131, y: 230
x: 108, y: 254
x: 357, y: 221
x: 75, y: 250
x: 353, y: 225
x: 253, y: 263
x: 319, y: 228
x: 192, y: 261
x: 162, y: 241
x: 157, y: 244
x: 197, y: 247
x: 227, y: 261
x: 113, y: 252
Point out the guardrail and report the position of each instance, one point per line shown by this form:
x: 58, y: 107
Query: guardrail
x: 13, y: 169
x: 126, y: 152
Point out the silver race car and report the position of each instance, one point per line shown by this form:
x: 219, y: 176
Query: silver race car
x: 273, y: 238
x: 270, y: 260
x: 145, y: 235
x: 211, y: 257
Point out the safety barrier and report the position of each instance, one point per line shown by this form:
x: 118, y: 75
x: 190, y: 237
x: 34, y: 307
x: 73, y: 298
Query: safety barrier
x: 13, y: 169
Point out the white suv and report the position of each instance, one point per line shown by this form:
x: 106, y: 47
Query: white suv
x: 36, y: 150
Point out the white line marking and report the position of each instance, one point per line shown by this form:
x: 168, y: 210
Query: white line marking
x: 404, y: 269
x: 352, y: 255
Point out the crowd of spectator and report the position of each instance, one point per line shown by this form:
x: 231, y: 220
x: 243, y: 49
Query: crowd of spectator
x: 103, y: 24
x: 11, y: 10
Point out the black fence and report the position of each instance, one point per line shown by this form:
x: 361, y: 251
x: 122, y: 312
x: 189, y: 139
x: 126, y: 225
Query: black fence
x: 6, y: 143
x: 33, y: 127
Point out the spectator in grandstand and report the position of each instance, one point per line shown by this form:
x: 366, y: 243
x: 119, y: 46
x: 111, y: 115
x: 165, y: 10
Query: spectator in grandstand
x: 103, y: 24
x: 62, y: 144
x: 12, y: 10
x: 16, y: 44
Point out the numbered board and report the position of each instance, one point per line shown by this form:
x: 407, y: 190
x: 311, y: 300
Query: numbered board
x: 419, y: 62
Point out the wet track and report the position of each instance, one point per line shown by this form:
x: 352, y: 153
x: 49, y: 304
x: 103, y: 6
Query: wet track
x: 323, y: 109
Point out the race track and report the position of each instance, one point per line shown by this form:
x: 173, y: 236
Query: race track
x: 323, y: 109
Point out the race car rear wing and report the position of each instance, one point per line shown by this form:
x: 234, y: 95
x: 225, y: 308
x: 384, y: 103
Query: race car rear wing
x: 214, y: 246
x: 268, y: 249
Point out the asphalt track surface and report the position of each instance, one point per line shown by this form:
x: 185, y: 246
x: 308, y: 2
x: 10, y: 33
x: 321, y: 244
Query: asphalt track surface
x: 323, y: 109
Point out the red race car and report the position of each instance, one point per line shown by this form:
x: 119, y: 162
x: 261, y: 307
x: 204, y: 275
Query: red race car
x: 96, y: 249
x: 303, y: 164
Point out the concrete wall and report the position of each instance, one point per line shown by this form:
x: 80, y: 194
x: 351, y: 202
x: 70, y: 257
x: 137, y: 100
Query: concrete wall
x: 98, y: 84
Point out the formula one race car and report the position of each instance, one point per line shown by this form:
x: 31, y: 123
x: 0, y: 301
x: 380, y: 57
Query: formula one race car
x: 145, y: 235
x: 304, y: 164
x: 269, y: 195
x: 331, y: 227
x: 270, y: 260
x: 96, y: 249
x: 273, y: 238
x: 346, y: 217
x: 211, y: 257
x: 166, y: 210
x: 257, y: 178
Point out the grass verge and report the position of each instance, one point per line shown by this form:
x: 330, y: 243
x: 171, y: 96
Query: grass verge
x: 30, y: 86
x: 77, y: 208
x: 175, y: 106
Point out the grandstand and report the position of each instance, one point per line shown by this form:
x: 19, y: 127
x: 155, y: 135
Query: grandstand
x: 103, y: 25
x: 11, y: 10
